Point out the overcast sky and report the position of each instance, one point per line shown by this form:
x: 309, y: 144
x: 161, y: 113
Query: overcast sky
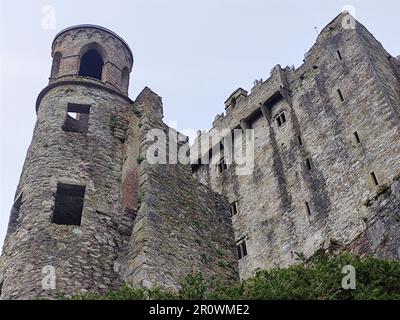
x: 192, y: 53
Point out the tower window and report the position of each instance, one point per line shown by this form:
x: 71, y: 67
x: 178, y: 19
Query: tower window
x: 241, y: 249
x: 308, y: 210
x: 356, y: 137
x: 69, y: 204
x: 234, y: 208
x: 77, y: 119
x: 91, y: 65
x: 340, y: 94
x: 374, y: 178
x: 1, y: 287
x: 308, y: 164
x: 280, y: 119
x: 222, y: 166
x: 339, y: 55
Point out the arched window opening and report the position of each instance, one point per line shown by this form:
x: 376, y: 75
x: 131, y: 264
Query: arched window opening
x: 56, y: 65
x: 91, y: 65
x: 125, y: 79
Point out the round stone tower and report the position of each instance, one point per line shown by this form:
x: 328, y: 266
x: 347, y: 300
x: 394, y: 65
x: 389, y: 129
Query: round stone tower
x: 63, y: 234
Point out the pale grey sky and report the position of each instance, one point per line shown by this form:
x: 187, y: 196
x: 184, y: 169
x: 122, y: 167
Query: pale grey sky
x: 192, y: 53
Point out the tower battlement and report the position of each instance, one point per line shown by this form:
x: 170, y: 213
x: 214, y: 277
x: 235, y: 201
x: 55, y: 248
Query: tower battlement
x: 94, y: 52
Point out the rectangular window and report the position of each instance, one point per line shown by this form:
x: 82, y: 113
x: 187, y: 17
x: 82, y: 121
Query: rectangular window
x: 77, y: 119
x: 69, y: 204
x: 374, y: 179
x: 280, y: 119
x: 339, y: 55
x: 308, y: 210
x: 1, y: 287
x: 340, y: 94
x: 356, y: 137
x: 241, y: 249
x: 234, y: 208
x: 222, y: 166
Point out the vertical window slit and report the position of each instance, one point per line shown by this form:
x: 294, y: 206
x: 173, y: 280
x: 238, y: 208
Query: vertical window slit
x: 374, y: 178
x: 357, y: 137
x: 340, y: 94
x: 308, y: 210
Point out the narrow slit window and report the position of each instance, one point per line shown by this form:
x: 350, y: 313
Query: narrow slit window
x: 69, y: 204
x: 374, y: 178
x: 339, y: 55
x: 77, y: 119
x: 340, y: 94
x: 308, y: 164
x: 234, y: 208
x: 1, y: 287
x: 300, y: 140
x: 308, y: 210
x: 241, y: 249
x: 357, y: 137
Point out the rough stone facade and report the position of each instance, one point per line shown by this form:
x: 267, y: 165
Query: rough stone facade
x: 335, y: 150
x: 129, y: 229
x: 326, y: 171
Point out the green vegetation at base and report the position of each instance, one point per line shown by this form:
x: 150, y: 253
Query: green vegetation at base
x: 319, y: 278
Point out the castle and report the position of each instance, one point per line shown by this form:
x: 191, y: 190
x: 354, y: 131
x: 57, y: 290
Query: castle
x: 95, y: 208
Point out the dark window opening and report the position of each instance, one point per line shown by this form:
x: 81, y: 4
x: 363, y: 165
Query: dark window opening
x: 357, y: 137
x: 56, y: 65
x: 234, y: 208
x: 340, y: 95
x: 339, y: 55
x: 222, y: 166
x: 308, y: 210
x: 15, y: 214
x: 374, y: 178
x: 69, y: 204
x: 91, y: 65
x: 281, y: 119
x: 300, y: 140
x: 77, y: 119
x: 241, y: 249
x: 308, y: 164
x: 1, y: 287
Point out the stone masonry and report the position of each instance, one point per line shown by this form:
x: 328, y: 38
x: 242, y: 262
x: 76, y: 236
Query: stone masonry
x: 92, y: 210
x: 146, y: 224
x: 314, y: 171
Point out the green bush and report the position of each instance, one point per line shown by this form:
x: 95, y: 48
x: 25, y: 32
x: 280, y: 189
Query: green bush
x: 319, y: 278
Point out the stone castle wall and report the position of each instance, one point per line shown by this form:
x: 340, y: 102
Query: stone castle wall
x: 181, y: 225
x: 82, y: 256
x: 100, y: 152
x: 327, y: 177
x: 272, y: 201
